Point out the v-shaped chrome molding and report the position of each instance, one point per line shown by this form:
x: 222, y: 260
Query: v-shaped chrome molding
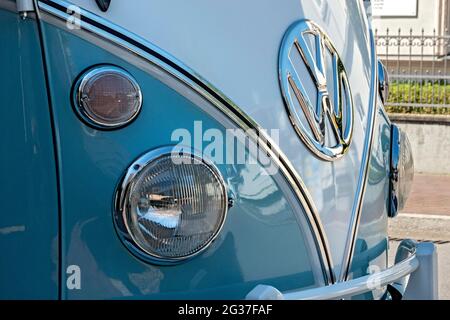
x: 140, y: 47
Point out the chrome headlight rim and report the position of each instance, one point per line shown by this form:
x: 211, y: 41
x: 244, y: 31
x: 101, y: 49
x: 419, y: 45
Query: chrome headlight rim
x: 394, y: 168
x: 121, y: 205
x: 400, y: 179
x: 383, y: 82
x: 84, y: 79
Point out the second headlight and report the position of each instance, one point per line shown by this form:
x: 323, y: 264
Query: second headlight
x: 402, y: 170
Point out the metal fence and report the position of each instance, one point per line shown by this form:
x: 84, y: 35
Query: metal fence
x: 418, y: 66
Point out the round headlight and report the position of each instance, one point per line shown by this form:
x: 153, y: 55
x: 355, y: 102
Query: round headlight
x: 171, y: 206
x: 402, y: 170
x: 108, y: 97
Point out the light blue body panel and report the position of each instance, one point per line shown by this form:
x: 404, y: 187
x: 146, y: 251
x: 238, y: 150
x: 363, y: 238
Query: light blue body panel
x: 242, y: 58
x: 29, y: 206
x: 372, y: 239
x: 261, y: 241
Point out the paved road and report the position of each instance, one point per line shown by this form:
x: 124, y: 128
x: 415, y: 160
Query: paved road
x: 420, y: 227
x: 428, y: 228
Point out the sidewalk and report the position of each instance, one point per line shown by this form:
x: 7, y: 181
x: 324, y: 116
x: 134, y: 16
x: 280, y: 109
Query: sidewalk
x: 426, y: 217
x: 430, y: 195
x: 427, y: 212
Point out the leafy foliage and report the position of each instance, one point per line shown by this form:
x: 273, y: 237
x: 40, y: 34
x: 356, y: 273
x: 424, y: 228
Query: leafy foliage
x: 428, y: 93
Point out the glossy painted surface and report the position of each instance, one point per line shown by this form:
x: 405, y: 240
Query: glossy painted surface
x: 29, y: 206
x: 372, y: 240
x: 261, y: 241
x: 241, y: 59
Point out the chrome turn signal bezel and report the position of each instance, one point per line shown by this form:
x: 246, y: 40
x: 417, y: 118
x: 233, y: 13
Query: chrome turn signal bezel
x: 80, y: 94
x: 401, y: 159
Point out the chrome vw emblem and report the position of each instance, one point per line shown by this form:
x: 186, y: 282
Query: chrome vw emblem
x: 316, y: 90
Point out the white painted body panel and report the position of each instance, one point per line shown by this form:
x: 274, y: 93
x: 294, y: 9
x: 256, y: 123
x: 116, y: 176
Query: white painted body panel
x: 234, y: 45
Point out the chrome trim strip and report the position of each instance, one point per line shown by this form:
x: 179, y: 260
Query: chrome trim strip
x: 364, y: 172
x: 405, y: 264
x: 121, y: 204
x: 142, y: 48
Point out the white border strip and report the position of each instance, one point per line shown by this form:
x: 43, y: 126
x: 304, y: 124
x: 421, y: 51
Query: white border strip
x: 424, y: 216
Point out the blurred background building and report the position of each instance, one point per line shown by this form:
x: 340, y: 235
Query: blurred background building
x: 413, y: 41
x: 429, y: 15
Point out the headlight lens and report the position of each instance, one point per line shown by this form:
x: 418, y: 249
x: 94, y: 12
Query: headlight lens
x: 402, y: 170
x: 172, y: 205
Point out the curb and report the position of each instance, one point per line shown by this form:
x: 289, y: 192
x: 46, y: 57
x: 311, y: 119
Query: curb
x: 434, y: 228
x: 440, y: 119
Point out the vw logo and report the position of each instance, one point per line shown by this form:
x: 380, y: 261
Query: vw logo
x: 316, y: 90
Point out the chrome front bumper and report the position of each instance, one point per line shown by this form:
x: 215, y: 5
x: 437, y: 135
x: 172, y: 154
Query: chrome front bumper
x: 414, y: 276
